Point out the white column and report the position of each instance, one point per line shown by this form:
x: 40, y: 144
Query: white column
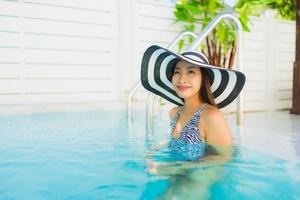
x: 270, y: 61
x: 125, y: 47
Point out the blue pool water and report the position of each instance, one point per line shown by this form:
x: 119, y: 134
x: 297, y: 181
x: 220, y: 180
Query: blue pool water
x: 92, y: 155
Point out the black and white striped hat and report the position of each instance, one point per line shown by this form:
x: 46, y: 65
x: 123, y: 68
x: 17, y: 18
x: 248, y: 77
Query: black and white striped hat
x: 156, y: 75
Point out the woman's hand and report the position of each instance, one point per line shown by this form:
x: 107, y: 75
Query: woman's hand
x: 164, y: 168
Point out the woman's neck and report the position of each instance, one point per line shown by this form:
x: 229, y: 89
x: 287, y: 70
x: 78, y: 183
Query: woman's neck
x: 192, y: 104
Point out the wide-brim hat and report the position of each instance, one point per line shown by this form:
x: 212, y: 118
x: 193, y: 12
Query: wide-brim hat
x: 157, y: 68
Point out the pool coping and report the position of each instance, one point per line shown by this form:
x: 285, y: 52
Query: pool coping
x: 52, y: 108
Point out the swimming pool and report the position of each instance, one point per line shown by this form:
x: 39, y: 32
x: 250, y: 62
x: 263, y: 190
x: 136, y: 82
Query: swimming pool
x: 92, y: 155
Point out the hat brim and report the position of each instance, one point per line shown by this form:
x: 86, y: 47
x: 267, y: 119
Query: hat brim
x: 156, y: 74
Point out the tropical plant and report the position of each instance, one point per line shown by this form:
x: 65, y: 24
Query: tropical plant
x: 220, y: 45
x: 286, y: 9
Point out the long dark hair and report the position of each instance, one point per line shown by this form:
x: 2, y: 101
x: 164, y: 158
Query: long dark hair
x: 205, y: 91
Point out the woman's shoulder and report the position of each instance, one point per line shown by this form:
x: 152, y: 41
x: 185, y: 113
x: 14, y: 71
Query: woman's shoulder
x: 215, y: 127
x: 173, y: 111
x: 211, y: 114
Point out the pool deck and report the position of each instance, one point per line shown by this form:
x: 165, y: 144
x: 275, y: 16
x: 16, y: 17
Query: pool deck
x: 275, y: 133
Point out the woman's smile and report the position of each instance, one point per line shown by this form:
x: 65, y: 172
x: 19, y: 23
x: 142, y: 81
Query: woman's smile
x: 183, y: 88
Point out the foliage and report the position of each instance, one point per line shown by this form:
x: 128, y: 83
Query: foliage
x: 220, y: 45
x: 286, y: 9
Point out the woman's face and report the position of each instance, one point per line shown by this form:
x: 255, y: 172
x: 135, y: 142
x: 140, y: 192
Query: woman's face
x: 186, y: 80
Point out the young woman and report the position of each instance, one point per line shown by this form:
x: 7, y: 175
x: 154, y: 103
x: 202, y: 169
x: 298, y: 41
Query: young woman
x: 199, y: 119
x: 197, y: 125
x: 198, y: 88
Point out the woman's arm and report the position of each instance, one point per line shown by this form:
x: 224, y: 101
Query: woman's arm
x: 216, y: 156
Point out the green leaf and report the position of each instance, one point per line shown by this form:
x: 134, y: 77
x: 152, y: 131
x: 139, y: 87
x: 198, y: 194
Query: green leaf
x: 193, y: 9
x: 191, y: 39
x: 190, y: 28
x: 180, y: 44
x: 180, y: 16
x: 189, y: 17
x: 202, y: 46
x: 244, y: 22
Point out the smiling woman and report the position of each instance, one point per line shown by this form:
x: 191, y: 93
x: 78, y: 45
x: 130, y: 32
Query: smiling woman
x: 196, y: 86
x: 199, y: 89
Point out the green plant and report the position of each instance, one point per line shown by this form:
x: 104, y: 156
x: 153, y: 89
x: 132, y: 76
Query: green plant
x: 286, y: 9
x: 220, y: 45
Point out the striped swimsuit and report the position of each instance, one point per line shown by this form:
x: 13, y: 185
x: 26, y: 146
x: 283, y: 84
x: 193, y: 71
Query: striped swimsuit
x: 189, y: 145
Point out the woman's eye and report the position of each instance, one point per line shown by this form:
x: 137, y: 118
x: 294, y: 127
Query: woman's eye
x: 191, y: 72
x: 176, y: 72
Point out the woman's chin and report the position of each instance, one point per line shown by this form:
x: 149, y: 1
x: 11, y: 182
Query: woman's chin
x: 184, y: 96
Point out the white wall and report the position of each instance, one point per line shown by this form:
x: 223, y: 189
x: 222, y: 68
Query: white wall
x: 55, y: 51
x: 284, y: 56
x: 90, y: 51
x: 269, y: 52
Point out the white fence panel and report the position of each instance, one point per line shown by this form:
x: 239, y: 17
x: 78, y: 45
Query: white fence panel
x: 58, y: 51
x: 284, y: 55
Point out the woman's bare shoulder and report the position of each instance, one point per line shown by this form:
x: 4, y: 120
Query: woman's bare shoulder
x: 215, y: 127
x: 173, y: 111
x: 211, y: 114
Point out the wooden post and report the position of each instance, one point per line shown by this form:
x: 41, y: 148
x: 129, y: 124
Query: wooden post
x: 296, y: 77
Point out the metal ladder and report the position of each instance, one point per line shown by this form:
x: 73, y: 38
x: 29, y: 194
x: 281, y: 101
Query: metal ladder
x: 198, y: 39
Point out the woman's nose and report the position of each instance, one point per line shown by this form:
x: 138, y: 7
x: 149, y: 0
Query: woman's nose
x: 182, y: 79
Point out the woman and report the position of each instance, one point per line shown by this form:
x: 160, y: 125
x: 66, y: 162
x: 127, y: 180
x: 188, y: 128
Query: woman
x: 198, y: 88
x: 197, y: 125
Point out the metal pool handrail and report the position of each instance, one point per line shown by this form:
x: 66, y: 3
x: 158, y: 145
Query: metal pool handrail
x: 151, y: 96
x: 239, y: 45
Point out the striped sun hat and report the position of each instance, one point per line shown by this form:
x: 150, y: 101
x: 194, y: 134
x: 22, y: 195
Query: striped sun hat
x: 156, y: 75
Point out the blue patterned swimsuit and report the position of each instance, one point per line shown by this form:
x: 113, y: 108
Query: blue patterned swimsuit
x: 189, y: 145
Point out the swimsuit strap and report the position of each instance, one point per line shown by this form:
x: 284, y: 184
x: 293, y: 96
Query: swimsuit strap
x: 179, y: 110
x: 202, y: 107
x: 197, y: 114
x: 175, y: 118
x: 195, y: 118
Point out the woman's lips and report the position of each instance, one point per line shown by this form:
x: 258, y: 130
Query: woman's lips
x: 183, y: 88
